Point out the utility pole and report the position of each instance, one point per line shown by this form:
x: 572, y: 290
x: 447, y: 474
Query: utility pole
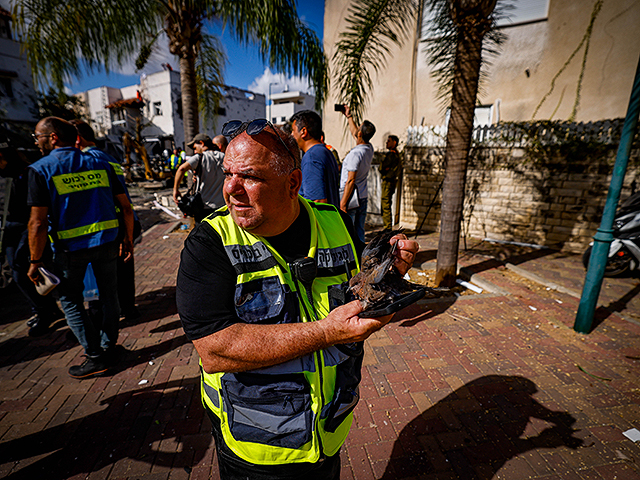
x: 604, y: 236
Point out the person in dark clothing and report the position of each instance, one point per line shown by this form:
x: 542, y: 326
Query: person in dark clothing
x: 73, y: 198
x: 126, y: 270
x: 390, y: 169
x: 16, y: 241
x: 280, y: 364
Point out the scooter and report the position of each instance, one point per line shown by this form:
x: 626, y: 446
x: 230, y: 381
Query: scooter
x: 624, y: 252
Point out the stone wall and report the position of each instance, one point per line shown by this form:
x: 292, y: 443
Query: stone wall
x: 553, y: 198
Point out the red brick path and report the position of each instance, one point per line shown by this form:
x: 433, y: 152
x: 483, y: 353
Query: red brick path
x: 495, y: 385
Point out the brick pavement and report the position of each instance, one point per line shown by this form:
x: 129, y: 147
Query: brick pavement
x: 495, y: 385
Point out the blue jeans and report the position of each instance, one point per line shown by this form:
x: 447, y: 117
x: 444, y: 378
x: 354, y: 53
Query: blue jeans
x: 358, y: 217
x: 94, y: 334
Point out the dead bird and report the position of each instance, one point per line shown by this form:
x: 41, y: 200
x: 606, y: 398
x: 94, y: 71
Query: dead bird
x: 379, y: 283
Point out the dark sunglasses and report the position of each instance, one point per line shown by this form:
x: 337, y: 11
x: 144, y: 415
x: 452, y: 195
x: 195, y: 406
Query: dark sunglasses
x: 233, y: 128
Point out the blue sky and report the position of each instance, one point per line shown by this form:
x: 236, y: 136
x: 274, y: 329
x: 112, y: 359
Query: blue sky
x: 245, y: 68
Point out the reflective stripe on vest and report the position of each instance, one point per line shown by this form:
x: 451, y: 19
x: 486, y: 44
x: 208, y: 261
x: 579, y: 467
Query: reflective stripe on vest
x: 117, y: 168
x: 86, y: 229
x: 292, y: 412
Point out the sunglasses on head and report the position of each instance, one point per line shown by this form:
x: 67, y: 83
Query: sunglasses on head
x: 233, y: 128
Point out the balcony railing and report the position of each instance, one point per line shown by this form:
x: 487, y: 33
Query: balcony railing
x: 522, y: 134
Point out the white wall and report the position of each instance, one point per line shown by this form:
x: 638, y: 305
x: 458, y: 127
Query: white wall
x: 15, y: 69
x: 162, y: 89
x: 95, y: 101
x: 285, y: 104
x: 238, y: 104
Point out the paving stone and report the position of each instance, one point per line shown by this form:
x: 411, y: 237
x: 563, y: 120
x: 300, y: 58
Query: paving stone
x: 449, y: 390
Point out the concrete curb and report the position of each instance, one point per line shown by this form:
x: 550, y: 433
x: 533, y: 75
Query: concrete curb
x: 480, y: 282
x: 536, y: 278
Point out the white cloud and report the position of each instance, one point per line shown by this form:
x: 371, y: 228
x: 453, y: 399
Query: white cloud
x: 279, y: 81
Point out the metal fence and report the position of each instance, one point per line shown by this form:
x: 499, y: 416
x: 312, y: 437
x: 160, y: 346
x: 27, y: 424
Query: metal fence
x: 522, y: 134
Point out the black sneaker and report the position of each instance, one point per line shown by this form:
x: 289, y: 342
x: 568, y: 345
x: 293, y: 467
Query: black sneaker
x: 91, y: 367
x: 33, y: 321
x: 39, y: 327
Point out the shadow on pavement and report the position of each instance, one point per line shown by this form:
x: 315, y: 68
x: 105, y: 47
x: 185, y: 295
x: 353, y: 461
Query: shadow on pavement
x: 604, y: 311
x: 159, y: 426
x: 156, y: 304
x: 502, y: 259
x: 476, y: 429
x: 24, y: 349
x: 417, y: 313
x: 13, y: 305
x: 153, y: 305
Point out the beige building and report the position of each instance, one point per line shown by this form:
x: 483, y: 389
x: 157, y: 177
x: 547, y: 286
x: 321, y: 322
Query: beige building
x: 542, y: 36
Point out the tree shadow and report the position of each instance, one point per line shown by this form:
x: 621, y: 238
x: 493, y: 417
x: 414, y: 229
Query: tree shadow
x: 476, y: 429
x: 605, y: 311
x: 504, y: 258
x: 152, y: 426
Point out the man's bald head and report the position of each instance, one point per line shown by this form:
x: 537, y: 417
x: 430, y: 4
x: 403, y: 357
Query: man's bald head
x: 221, y: 142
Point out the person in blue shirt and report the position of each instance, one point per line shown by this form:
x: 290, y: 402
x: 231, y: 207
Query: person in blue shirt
x: 126, y: 270
x: 319, y: 169
x: 73, y: 198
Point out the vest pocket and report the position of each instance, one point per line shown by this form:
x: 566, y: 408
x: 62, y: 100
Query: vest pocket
x: 346, y: 394
x: 259, y: 300
x: 268, y: 409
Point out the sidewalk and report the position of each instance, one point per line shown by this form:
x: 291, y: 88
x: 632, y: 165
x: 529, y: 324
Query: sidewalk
x: 490, y: 385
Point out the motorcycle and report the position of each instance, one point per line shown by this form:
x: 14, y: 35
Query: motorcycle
x: 624, y: 252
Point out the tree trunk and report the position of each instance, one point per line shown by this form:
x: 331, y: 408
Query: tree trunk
x: 190, y: 114
x: 464, y: 92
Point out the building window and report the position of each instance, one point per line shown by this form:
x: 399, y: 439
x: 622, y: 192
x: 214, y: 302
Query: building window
x: 274, y: 120
x: 157, y: 108
x: 222, y: 112
x: 117, y: 115
x: 482, y: 116
x: 5, y: 28
x: 6, y: 89
x: 525, y: 12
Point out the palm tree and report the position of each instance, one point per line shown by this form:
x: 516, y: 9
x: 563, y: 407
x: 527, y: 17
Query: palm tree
x: 61, y: 36
x: 462, y: 31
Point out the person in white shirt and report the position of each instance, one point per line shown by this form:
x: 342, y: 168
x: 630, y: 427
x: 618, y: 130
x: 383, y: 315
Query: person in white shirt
x: 355, y: 169
x: 207, y: 165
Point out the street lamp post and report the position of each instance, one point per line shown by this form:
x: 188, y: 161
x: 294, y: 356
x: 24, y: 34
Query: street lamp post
x: 270, y: 101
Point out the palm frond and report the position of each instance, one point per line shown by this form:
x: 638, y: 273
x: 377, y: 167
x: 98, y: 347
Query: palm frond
x: 60, y: 36
x: 441, y: 38
x: 373, y: 27
x: 285, y: 42
x: 210, y: 64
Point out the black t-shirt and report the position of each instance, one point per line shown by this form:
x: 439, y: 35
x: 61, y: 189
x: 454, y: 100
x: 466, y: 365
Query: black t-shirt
x: 206, y: 279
